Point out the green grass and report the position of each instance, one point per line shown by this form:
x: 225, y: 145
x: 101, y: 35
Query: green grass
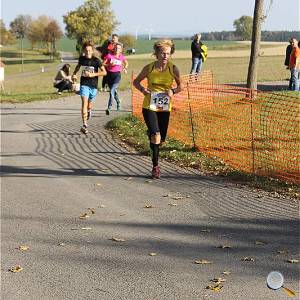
x: 175, y: 151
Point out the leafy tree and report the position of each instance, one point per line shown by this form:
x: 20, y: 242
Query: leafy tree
x: 243, y: 27
x: 6, y: 36
x: 94, y: 20
x: 127, y: 40
x: 37, y: 29
x: 52, y: 34
x: 19, y: 27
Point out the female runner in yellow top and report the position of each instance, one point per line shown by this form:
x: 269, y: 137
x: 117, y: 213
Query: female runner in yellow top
x: 158, y: 94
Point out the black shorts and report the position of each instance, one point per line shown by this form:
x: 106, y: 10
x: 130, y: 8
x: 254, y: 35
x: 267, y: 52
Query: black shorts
x: 157, y: 122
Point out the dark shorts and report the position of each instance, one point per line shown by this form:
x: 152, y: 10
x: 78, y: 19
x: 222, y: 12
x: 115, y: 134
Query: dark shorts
x: 157, y: 122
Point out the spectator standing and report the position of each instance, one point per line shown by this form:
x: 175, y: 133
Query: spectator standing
x: 294, y: 65
x: 199, y: 54
x: 288, y: 52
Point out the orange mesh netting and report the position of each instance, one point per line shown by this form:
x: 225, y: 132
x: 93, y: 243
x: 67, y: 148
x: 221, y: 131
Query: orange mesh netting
x: 254, y: 131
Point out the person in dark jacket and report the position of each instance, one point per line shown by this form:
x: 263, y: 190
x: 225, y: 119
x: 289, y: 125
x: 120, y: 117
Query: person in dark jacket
x: 288, y: 52
x: 198, y: 54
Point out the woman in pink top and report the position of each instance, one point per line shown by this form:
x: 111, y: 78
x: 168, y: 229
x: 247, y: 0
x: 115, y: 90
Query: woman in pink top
x: 115, y: 63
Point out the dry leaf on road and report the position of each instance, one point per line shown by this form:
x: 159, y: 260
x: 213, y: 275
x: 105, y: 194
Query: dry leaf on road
x: 84, y: 216
x: 173, y: 204
x: 152, y: 254
x: 148, y: 206
x: 202, y: 262
x: 289, y: 292
x: 293, y: 261
x: 117, y: 239
x: 218, y: 280
x: 16, y: 269
x: 282, y: 251
x: 224, y: 247
x: 23, y: 248
x: 260, y: 243
x: 226, y: 272
x: 215, y: 288
x: 248, y: 258
x: 92, y: 210
x: 86, y: 228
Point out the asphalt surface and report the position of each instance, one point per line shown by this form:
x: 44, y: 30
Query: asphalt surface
x: 52, y: 175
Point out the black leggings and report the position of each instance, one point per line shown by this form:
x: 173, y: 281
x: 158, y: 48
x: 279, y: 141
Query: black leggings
x: 157, y: 122
x: 64, y: 85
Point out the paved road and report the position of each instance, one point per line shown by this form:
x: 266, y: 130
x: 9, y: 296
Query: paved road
x: 51, y: 175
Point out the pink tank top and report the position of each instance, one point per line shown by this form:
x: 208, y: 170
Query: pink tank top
x: 114, y: 63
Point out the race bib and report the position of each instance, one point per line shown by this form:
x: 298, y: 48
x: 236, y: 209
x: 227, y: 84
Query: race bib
x: 86, y: 69
x: 116, y: 62
x: 160, y: 101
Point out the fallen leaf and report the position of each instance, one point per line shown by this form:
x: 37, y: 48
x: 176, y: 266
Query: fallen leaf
x: 293, y: 261
x: 260, y: 243
x: 117, y: 239
x: 218, y: 280
x: 62, y: 154
x: 61, y: 244
x: 86, y: 228
x: 16, y: 269
x: 148, y: 181
x: 120, y: 157
x: 177, y: 197
x: 226, y: 272
x: 148, y: 206
x: 202, y: 262
x: 248, y: 258
x: 173, y: 204
x: 84, y: 216
x: 152, y: 254
x: 205, y: 230
x: 105, y: 169
x: 74, y: 228
x: 23, y: 248
x: 99, y: 184
x: 92, y: 210
x: 102, y: 205
x: 215, y: 288
x: 282, y: 251
x: 289, y: 292
x: 224, y: 247
x: 122, y: 215
x: 128, y: 178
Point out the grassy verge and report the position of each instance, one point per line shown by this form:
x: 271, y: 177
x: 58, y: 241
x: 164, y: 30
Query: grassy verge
x: 175, y: 151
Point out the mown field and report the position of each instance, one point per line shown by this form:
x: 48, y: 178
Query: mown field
x: 34, y: 80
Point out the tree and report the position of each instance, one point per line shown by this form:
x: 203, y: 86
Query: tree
x: 19, y: 27
x: 37, y: 29
x: 243, y: 27
x: 94, y: 20
x: 6, y: 36
x: 52, y: 34
x: 127, y: 40
x: 255, y: 45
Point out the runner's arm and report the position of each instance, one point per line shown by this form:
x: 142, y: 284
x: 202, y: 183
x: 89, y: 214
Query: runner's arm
x: 178, y: 81
x: 139, y: 78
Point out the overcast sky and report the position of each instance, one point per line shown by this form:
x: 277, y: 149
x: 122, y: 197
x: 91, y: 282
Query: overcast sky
x: 167, y: 16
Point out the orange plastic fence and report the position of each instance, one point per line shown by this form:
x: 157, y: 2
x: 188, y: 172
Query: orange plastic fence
x: 255, y: 132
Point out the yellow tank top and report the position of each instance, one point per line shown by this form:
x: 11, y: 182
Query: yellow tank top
x: 158, y: 81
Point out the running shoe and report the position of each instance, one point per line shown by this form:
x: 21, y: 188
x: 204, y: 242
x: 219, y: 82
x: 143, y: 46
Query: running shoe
x: 156, y: 172
x: 84, y: 129
x: 107, y: 111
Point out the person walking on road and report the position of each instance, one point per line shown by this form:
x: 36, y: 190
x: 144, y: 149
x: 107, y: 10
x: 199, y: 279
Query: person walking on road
x: 294, y: 65
x: 157, y: 103
x: 91, y: 69
x: 115, y: 63
x: 199, y: 54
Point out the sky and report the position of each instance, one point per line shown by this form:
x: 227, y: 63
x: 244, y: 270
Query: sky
x: 166, y: 16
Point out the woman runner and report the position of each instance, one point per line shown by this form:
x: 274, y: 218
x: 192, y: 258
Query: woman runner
x: 160, y: 76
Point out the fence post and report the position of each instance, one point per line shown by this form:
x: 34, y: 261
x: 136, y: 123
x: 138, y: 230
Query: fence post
x: 191, y: 116
x: 132, y: 87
